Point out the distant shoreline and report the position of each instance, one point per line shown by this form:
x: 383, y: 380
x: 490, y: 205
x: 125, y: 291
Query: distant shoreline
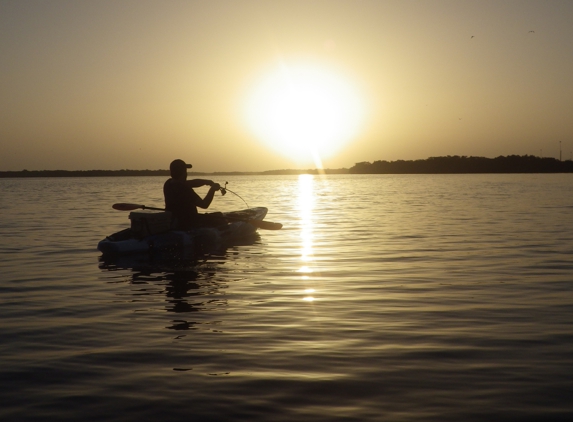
x: 163, y: 173
x: 433, y: 165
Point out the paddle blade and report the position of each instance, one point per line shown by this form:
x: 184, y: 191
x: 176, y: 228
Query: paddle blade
x: 127, y: 207
x: 266, y: 225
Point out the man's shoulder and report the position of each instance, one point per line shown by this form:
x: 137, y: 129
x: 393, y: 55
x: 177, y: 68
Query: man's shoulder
x: 172, y: 185
x: 176, y: 186
x: 173, y: 182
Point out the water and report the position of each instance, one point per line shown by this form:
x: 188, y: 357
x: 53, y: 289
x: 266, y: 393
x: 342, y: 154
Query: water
x: 387, y: 297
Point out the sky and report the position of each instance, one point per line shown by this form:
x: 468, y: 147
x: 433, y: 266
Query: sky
x: 246, y: 85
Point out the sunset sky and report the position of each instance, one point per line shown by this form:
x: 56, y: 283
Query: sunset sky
x: 262, y: 85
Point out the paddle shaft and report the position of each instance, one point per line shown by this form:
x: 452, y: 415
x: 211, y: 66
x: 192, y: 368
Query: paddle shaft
x: 131, y: 207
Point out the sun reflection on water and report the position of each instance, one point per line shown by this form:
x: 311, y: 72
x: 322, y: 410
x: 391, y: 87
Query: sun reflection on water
x: 305, y: 206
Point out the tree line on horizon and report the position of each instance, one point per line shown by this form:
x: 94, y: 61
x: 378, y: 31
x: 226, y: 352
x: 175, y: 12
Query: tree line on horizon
x: 434, y: 165
x: 164, y: 173
x: 83, y: 173
x: 462, y: 164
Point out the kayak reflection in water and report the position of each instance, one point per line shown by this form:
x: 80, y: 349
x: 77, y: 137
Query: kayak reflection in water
x: 182, y: 201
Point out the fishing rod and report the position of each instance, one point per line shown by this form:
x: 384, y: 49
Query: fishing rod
x: 225, y: 189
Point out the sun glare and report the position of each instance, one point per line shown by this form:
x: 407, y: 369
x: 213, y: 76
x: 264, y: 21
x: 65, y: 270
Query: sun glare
x: 305, y: 112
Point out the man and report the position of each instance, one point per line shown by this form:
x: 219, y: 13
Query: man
x: 182, y: 201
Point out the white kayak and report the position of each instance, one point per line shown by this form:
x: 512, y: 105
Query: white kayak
x: 157, y: 236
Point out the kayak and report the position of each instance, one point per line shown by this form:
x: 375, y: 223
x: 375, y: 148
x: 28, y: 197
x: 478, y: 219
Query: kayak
x: 151, y: 231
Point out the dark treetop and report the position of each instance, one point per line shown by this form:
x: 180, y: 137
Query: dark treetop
x: 457, y: 164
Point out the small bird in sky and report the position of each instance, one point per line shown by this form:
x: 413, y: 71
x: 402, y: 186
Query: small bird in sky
x: 531, y: 32
x: 472, y: 36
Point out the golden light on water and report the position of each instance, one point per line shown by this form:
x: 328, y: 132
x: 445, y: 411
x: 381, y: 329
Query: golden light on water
x: 305, y: 207
x: 305, y: 111
x: 309, y: 298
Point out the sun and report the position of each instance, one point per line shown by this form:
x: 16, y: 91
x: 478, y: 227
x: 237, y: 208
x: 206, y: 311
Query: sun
x: 304, y: 111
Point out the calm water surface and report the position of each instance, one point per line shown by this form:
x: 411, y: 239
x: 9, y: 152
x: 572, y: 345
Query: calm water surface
x: 411, y: 297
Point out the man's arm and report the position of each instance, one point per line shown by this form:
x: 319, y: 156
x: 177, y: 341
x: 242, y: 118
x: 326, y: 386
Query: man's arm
x: 205, y: 202
x: 197, y: 183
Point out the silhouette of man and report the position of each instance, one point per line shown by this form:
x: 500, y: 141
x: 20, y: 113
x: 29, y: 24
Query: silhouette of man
x: 182, y: 201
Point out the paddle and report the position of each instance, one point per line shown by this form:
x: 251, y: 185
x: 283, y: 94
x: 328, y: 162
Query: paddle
x: 265, y: 225
x: 131, y: 207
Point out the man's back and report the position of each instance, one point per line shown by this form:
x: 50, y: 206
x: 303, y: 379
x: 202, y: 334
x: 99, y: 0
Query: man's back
x: 181, y: 200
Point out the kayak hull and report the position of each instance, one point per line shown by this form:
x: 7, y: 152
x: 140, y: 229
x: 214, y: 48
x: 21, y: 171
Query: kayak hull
x: 238, y: 227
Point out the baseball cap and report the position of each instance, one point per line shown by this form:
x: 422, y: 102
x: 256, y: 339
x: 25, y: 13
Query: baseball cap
x: 179, y: 165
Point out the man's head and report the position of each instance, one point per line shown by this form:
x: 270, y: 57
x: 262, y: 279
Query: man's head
x: 178, y: 169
